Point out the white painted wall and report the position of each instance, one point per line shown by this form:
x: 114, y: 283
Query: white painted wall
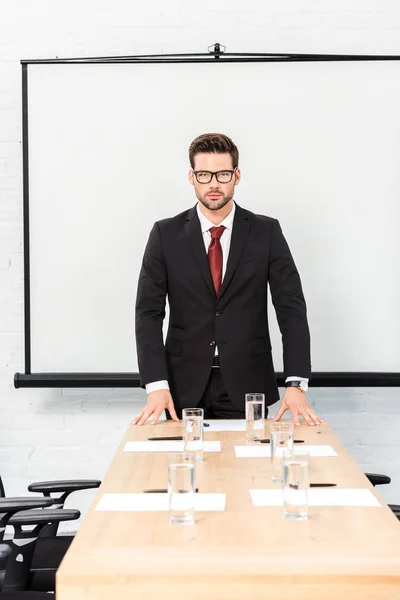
x: 71, y: 433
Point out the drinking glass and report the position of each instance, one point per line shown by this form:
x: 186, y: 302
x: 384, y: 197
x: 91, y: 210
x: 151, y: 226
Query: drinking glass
x: 281, y: 436
x: 255, y: 414
x: 192, y: 431
x: 181, y: 489
x: 295, y: 486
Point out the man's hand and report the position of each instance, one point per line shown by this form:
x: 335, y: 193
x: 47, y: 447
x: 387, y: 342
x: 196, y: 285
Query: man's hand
x: 157, y: 402
x: 296, y: 401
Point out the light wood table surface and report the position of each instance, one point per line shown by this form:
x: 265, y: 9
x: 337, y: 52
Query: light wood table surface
x: 243, y: 553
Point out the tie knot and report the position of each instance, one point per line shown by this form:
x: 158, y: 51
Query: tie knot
x: 216, y: 232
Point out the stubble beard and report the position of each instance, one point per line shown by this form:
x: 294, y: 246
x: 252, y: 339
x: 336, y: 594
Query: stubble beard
x: 215, y: 204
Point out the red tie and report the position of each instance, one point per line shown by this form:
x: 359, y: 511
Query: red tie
x: 215, y: 256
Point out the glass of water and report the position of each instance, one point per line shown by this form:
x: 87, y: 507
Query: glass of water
x: 281, y: 435
x: 255, y: 414
x: 181, y: 489
x: 192, y: 431
x: 295, y: 486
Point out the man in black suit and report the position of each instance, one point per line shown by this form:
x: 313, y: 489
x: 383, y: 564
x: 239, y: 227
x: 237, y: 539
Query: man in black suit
x: 215, y: 262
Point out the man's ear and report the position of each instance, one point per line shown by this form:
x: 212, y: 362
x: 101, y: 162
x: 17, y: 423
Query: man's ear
x: 191, y: 177
x: 238, y: 176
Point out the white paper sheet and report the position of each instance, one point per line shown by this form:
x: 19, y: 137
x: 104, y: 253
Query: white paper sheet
x: 168, y: 446
x: 264, y: 450
x: 156, y: 502
x: 319, y: 497
x: 225, y: 425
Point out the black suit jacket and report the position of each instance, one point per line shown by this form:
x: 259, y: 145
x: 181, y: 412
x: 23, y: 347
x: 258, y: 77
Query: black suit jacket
x: 175, y: 263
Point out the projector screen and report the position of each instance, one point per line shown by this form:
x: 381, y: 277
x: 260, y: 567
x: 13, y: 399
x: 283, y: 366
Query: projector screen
x: 319, y: 146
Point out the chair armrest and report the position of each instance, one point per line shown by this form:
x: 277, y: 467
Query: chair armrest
x: 63, y: 488
x: 378, y: 479
x: 39, y: 517
x: 13, y: 504
x: 10, y: 506
x: 5, y: 551
x: 68, y: 485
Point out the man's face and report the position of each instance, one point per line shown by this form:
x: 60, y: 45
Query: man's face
x: 214, y: 195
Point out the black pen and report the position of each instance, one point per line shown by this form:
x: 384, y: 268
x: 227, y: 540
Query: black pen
x: 267, y: 441
x: 159, y: 439
x: 160, y: 491
x: 322, y: 484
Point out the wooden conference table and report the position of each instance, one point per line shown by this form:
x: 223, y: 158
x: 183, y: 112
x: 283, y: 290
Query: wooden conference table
x: 243, y: 553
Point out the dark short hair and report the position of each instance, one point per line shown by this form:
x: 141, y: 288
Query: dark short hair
x: 216, y: 143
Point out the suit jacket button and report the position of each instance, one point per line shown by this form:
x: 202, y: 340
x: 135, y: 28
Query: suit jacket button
x: 217, y: 314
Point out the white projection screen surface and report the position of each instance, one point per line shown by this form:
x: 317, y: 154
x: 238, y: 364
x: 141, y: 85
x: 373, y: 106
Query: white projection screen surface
x: 319, y: 146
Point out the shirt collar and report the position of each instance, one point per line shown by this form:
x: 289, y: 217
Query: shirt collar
x: 206, y: 224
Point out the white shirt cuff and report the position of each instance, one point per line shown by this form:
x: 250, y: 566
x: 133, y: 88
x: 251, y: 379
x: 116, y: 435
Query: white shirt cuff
x: 296, y: 379
x: 154, y: 386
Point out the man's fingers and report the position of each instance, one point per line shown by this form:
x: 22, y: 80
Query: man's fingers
x: 138, y: 417
x: 295, y: 417
x: 156, y: 415
x: 157, y: 402
x: 309, y: 415
x: 317, y: 420
x: 172, y: 411
x: 146, y: 414
x: 305, y: 414
x: 280, y: 412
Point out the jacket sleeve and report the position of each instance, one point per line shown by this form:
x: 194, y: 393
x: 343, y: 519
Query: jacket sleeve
x: 150, y: 311
x: 290, y: 306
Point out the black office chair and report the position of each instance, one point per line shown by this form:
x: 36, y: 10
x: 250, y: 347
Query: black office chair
x: 18, y: 557
x: 5, y: 551
x: 50, y: 547
x: 379, y: 479
x: 9, y: 507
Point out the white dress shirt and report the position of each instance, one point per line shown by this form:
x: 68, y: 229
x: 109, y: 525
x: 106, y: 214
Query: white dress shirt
x: 225, y: 240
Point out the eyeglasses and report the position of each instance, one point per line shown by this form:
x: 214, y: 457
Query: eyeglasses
x: 221, y: 176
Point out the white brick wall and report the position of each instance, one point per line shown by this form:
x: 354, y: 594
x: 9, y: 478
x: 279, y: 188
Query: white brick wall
x: 74, y: 433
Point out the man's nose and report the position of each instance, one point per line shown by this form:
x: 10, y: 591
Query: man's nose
x: 216, y: 182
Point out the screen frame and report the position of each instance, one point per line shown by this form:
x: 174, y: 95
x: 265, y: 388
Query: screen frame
x: 216, y: 56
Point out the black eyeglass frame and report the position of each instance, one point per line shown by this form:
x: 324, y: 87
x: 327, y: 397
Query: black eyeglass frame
x: 212, y: 173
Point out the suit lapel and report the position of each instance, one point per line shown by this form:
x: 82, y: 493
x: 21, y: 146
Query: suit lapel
x: 240, y: 231
x: 196, y: 242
